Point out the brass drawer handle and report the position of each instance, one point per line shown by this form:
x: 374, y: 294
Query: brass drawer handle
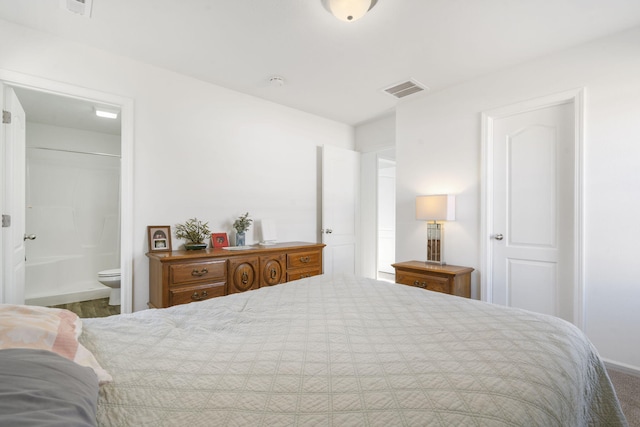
x: 198, y: 297
x: 305, y: 259
x: 304, y: 276
x: 274, y: 273
x: 245, y: 278
x: 199, y: 273
x: 420, y: 285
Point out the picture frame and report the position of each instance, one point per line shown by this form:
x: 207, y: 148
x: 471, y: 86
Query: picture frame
x: 159, y: 238
x: 219, y: 240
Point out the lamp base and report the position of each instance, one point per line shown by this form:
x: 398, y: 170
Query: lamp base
x: 435, y: 243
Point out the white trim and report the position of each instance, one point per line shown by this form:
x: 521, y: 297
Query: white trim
x: 576, y: 97
x: 13, y: 78
x: 621, y: 367
x: 2, y: 186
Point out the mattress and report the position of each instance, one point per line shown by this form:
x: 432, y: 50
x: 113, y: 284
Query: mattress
x: 347, y: 351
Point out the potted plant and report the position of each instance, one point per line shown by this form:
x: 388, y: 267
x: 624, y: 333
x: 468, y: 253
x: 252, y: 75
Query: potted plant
x: 241, y: 225
x: 195, y: 232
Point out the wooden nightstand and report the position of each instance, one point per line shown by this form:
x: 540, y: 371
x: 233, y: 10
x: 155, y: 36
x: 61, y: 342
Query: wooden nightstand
x: 449, y: 279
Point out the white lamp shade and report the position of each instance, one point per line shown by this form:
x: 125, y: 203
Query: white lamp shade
x: 441, y: 207
x: 348, y: 10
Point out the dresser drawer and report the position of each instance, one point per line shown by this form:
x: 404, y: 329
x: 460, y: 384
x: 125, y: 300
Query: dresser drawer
x: 209, y: 271
x: 303, y: 259
x: 302, y: 273
x: 187, y: 294
x: 432, y: 283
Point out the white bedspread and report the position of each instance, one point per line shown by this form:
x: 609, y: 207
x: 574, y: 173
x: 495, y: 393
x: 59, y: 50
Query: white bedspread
x: 347, y: 352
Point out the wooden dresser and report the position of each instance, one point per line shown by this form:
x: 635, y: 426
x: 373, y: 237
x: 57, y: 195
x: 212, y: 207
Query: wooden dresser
x: 180, y: 277
x: 449, y: 279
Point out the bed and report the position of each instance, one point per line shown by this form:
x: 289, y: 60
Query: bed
x: 347, y: 351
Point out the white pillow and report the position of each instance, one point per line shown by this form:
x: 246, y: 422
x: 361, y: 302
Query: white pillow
x: 52, y: 329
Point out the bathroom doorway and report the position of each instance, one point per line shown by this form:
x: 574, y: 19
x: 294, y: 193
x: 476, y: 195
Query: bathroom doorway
x: 86, y: 170
x: 72, y: 218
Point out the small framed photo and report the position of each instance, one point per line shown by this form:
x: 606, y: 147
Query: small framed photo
x: 219, y: 240
x: 159, y: 238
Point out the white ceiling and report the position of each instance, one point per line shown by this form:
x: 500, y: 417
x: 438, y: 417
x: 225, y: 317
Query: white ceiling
x: 72, y: 113
x: 331, y: 68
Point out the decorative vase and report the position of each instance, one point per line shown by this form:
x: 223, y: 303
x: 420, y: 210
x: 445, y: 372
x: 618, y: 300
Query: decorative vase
x: 194, y: 246
x: 239, y: 239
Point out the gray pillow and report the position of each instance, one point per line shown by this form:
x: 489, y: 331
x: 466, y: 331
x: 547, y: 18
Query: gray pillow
x: 42, y: 388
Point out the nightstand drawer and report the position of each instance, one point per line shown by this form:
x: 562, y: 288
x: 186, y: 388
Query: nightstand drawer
x: 448, y: 279
x: 197, y: 272
x: 432, y: 283
x: 189, y: 294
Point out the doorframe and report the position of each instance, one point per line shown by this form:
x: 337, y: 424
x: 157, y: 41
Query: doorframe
x: 380, y: 158
x: 369, y: 216
x: 576, y: 98
x: 12, y: 78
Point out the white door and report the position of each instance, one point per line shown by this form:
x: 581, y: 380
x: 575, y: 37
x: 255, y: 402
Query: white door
x: 533, y: 210
x: 340, y: 172
x: 13, y: 188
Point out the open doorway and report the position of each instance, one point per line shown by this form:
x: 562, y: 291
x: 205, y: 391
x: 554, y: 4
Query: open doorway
x: 72, y: 218
x: 72, y: 173
x: 386, y: 196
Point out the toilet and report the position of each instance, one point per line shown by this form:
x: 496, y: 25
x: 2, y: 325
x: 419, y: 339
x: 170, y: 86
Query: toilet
x: 111, y: 278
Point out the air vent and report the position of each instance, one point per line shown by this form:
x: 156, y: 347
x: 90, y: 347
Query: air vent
x: 81, y: 7
x: 403, y: 89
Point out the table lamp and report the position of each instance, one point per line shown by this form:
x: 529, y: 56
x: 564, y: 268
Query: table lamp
x: 440, y: 207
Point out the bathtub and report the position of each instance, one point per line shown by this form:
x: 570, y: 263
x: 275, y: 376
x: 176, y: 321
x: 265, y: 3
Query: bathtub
x: 62, y: 280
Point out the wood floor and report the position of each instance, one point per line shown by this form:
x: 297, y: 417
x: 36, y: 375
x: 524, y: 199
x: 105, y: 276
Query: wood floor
x: 92, y: 308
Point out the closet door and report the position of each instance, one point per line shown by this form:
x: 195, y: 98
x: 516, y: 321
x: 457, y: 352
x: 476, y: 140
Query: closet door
x: 340, y: 192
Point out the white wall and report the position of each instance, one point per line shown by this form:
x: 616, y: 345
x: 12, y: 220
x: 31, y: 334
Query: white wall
x: 438, y: 151
x: 58, y: 137
x: 376, y: 135
x: 199, y: 150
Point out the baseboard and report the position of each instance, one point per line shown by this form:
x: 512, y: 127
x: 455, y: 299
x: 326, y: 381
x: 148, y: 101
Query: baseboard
x: 622, y: 367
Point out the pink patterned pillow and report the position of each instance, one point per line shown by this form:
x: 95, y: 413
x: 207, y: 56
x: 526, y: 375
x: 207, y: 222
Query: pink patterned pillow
x: 52, y: 329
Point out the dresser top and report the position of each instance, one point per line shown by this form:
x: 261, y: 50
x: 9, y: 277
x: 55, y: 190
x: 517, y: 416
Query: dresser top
x: 220, y: 252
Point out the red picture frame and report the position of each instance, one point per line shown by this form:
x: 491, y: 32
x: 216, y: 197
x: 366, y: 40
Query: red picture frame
x: 219, y: 240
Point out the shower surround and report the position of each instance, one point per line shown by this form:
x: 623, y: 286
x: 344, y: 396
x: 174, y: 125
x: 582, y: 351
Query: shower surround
x: 73, y: 207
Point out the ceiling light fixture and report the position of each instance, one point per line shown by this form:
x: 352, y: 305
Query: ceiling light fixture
x: 107, y: 114
x: 348, y: 10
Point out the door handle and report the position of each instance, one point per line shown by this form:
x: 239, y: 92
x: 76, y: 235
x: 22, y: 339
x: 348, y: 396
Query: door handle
x: 498, y: 237
x: 29, y: 237
x: 328, y: 231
